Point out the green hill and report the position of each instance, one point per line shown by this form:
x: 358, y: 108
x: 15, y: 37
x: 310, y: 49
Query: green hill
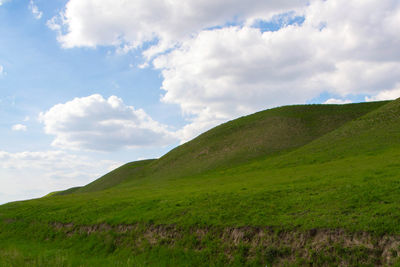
x: 115, y: 177
x: 370, y: 134
x: 264, y: 134
x: 300, y: 185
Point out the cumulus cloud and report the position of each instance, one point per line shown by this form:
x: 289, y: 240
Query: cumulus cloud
x: 19, y: 127
x: 343, y: 47
x: 33, y: 174
x: 1, y: 70
x: 225, y: 73
x: 95, y: 123
x: 131, y: 23
x: 35, y: 10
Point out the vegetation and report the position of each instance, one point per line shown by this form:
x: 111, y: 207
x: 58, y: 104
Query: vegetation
x: 264, y: 134
x: 296, y: 185
x: 111, y: 179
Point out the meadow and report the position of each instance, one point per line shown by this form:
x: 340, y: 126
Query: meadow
x: 297, y: 185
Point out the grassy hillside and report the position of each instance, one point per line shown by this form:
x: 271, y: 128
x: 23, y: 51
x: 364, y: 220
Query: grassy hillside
x: 332, y: 200
x: 263, y: 134
x: 370, y: 134
x: 117, y: 176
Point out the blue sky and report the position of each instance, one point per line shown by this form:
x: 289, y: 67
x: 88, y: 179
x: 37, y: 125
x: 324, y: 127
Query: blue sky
x: 83, y: 90
x: 39, y: 73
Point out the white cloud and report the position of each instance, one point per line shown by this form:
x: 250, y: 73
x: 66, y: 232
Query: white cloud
x: 143, y: 65
x: 337, y: 101
x: 34, y: 174
x: 225, y: 73
x: 95, y: 123
x: 53, y: 24
x: 343, y: 47
x: 132, y: 23
x: 1, y: 70
x: 386, y: 95
x: 19, y: 127
x: 35, y: 10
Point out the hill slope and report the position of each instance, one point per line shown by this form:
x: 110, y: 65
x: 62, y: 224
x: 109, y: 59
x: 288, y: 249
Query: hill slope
x: 370, y: 134
x: 116, y: 176
x: 331, y: 201
x: 263, y: 134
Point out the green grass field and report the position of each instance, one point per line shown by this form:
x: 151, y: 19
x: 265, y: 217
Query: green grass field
x: 297, y: 185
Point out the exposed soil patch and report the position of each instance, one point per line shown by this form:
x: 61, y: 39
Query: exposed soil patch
x: 315, y: 247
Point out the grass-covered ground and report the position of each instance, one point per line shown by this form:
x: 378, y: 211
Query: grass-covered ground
x: 299, y: 185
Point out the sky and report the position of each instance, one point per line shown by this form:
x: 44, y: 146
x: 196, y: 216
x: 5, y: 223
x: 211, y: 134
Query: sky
x: 88, y: 85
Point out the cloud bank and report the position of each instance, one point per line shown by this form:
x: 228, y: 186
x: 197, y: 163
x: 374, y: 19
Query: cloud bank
x: 33, y: 174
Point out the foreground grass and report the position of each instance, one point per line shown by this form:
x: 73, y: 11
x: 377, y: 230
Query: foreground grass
x: 356, y: 194
x: 28, y: 253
